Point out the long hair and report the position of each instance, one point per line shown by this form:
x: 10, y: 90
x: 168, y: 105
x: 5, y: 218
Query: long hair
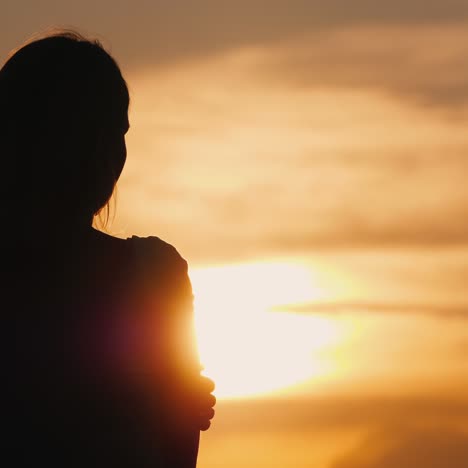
x: 63, y: 109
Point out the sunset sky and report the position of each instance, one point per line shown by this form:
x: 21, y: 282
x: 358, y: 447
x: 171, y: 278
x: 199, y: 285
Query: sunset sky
x: 309, y: 158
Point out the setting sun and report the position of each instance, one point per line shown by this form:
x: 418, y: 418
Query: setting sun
x: 245, y: 347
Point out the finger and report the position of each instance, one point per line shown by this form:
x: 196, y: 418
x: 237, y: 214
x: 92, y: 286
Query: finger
x: 207, y: 414
x: 205, y: 425
x: 206, y: 384
x: 209, y: 400
x: 205, y: 402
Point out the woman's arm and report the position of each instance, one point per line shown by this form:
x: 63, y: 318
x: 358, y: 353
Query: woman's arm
x: 182, y: 396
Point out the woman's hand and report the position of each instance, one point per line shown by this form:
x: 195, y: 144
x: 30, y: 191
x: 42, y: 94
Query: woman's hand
x: 205, y: 402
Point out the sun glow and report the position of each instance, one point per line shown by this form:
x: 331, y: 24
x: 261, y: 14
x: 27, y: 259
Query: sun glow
x: 245, y: 347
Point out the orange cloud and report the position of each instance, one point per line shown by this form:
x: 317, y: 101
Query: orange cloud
x: 422, y: 63
x: 273, y: 168
x: 156, y: 32
x: 434, y: 448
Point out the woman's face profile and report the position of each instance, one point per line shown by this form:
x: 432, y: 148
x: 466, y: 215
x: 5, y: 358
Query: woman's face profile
x: 114, y: 147
x: 121, y: 146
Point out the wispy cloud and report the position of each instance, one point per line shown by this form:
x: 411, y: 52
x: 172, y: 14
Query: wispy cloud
x: 216, y: 140
x: 338, y: 432
x: 330, y: 412
x: 424, y: 64
x: 436, y: 447
x: 444, y: 312
x: 152, y: 32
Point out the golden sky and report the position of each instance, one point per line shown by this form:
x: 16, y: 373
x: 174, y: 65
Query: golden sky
x: 309, y: 159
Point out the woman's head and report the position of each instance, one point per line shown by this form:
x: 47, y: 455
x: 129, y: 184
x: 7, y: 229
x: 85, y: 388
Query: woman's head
x: 63, y: 117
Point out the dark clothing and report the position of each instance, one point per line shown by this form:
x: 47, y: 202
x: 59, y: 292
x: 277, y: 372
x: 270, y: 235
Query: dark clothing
x: 100, y: 354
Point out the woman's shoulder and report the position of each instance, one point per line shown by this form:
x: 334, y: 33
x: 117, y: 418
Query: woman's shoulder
x: 147, y: 251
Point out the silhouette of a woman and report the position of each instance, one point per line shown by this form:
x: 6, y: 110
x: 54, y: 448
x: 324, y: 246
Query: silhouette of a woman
x: 100, y: 363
